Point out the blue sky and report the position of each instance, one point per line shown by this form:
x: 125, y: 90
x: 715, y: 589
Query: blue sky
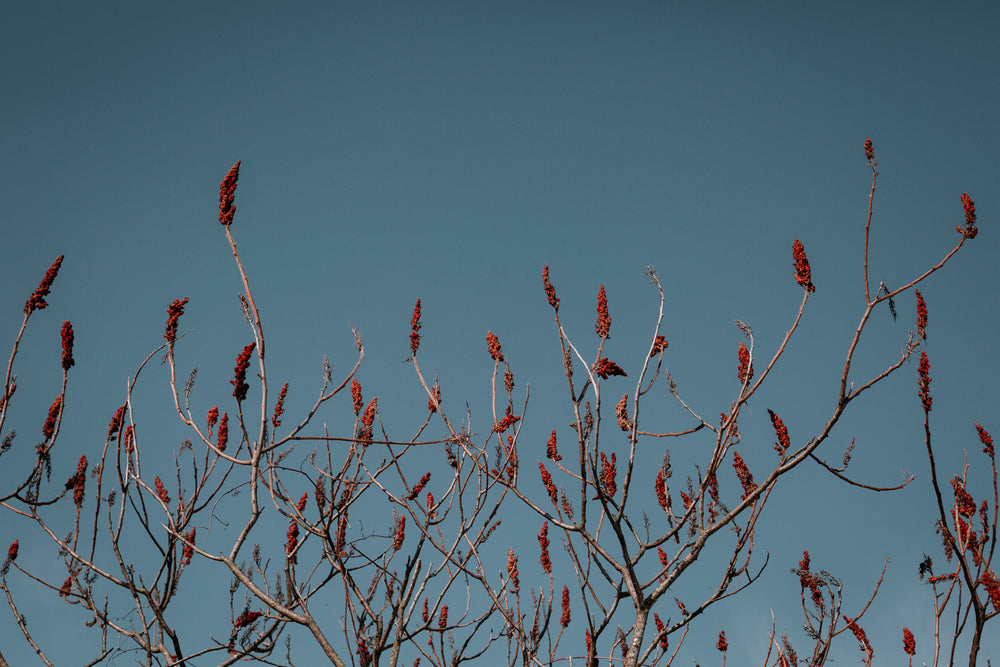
x: 447, y: 151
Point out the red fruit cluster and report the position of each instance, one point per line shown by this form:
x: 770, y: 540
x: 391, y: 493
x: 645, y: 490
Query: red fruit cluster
x: 608, y: 473
x: 746, y: 479
x: 419, y: 487
x: 745, y: 370
x: 924, y: 381
x: 722, y: 644
x: 862, y: 638
x: 188, y: 549
x: 239, y: 380
x: 227, y: 195
x: 921, y: 315
x: 356, y: 396
x: 909, y: 643
x: 223, y: 436
x: 37, y: 299
x: 512, y: 570
x: 279, y: 407
x: 415, y: 327
x: 659, y: 345
x: 986, y: 439
x: 161, y: 492
x: 49, y: 427
x: 550, y: 450
x: 116, y: 423
x: 493, y: 343
x: 67, y: 346
x: 247, y: 618
x: 174, y: 312
x: 550, y: 487
x: 969, y: 207
x: 565, y: 618
x: 606, y: 368
x: 603, y: 325
x: 550, y: 291
x: 399, y: 532
x: 783, y: 443
x: 803, y: 273
x: 543, y: 542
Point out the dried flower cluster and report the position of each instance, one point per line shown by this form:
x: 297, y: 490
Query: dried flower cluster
x: 564, y: 620
x: 227, y: 195
x: 869, y: 152
x: 12, y: 550
x: 239, y: 381
x: 924, y: 381
x: 550, y: 291
x: 603, y: 324
x: 803, y: 273
x: 722, y: 644
x: 174, y: 312
x: 37, y: 299
x: 67, y: 346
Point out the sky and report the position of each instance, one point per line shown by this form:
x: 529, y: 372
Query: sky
x: 447, y: 151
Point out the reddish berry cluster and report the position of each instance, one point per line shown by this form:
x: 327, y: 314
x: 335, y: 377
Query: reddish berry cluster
x: 603, y: 325
x: 67, y: 346
x: 239, y: 381
x: 37, y: 299
x: 227, y: 195
x: 803, y: 273
x: 174, y: 312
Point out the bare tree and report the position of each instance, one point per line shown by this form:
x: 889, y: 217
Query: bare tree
x: 428, y: 585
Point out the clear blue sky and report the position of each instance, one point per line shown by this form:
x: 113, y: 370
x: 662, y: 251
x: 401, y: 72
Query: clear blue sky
x: 447, y: 151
